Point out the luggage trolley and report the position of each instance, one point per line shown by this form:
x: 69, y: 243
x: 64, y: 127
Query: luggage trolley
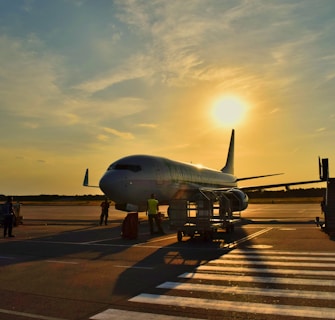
x: 207, y: 213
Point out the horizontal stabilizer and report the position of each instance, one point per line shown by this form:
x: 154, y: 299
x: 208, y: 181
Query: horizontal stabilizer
x: 85, y: 182
x: 256, y: 177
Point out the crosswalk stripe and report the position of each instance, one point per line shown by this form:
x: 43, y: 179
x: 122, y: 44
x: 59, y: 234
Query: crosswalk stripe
x: 126, y: 315
x: 237, y: 269
x: 238, y: 278
x: 223, y: 305
x: 238, y: 266
x: 275, y: 257
x: 284, y: 293
x: 289, y: 253
x: 275, y: 263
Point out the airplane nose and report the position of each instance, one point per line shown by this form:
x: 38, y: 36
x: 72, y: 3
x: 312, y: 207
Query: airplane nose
x: 105, y: 184
x: 112, y: 185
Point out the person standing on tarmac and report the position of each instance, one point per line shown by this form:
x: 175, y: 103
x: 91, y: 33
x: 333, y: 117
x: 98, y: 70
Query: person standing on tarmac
x: 104, y: 211
x: 153, y: 214
x: 8, y: 217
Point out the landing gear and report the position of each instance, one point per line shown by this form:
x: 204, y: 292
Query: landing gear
x: 179, y: 236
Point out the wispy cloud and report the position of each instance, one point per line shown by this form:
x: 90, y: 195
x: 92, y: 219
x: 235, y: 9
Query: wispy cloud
x: 148, y: 125
x: 120, y: 134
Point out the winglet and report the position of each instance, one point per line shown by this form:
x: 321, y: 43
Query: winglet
x: 323, y: 169
x: 229, y: 167
x: 85, y: 182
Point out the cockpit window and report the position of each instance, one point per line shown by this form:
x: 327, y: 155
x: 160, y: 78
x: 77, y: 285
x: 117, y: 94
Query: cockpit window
x: 130, y: 167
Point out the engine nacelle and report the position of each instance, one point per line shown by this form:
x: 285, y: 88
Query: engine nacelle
x: 239, y: 200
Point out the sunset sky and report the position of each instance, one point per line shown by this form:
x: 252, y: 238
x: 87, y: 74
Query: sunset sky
x: 85, y: 82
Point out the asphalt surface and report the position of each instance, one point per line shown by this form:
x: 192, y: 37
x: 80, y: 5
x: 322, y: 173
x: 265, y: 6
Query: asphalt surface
x: 277, y: 264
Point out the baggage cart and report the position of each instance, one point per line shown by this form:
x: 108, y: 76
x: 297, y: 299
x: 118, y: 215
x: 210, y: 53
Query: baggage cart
x: 205, y: 215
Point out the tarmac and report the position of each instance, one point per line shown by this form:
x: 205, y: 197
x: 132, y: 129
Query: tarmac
x: 63, y: 265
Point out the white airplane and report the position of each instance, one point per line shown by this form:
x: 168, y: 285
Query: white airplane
x: 131, y: 180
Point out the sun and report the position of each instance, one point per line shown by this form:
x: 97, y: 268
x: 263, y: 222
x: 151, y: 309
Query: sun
x: 229, y: 110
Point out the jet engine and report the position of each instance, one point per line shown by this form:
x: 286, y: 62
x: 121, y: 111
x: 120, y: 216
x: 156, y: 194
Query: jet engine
x: 239, y: 200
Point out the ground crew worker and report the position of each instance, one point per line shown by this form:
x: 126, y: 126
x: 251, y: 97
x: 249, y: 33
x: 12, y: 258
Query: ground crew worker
x: 8, y: 217
x: 153, y: 214
x: 104, y: 211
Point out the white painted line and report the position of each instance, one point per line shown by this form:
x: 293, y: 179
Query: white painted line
x: 64, y: 262
x: 291, y: 253
x: 249, y: 237
x: 138, y: 245
x: 275, y: 263
x: 259, y: 246
x: 160, y: 239
x: 28, y: 315
x: 101, y: 240
x: 236, y: 269
x: 132, y: 267
x: 274, y: 257
x: 237, y: 278
x: 222, y: 305
x: 110, y: 314
x: 286, y: 293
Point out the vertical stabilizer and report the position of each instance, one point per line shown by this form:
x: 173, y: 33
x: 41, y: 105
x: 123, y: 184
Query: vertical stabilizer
x: 85, y: 182
x: 229, y: 167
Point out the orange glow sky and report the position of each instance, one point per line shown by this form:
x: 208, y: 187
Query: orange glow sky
x: 84, y: 83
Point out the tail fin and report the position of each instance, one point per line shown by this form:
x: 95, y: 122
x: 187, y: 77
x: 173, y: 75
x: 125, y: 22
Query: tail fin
x: 229, y: 167
x: 85, y: 182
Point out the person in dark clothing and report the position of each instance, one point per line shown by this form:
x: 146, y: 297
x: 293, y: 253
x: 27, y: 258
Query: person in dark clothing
x: 104, y: 211
x: 8, y: 217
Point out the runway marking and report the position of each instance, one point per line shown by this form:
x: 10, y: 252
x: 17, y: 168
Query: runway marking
x: 133, y: 267
x: 254, y: 279
x: 263, y: 257
x: 60, y: 261
x: 224, y: 305
x: 247, y: 238
x: 133, y: 245
x: 289, y: 253
x: 29, y: 315
x: 222, y: 260
x: 126, y: 315
x: 155, y: 240
x: 237, y: 269
x: 228, y: 279
x: 285, y: 293
x: 259, y: 246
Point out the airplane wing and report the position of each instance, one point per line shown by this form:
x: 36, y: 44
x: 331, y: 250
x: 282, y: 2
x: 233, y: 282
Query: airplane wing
x: 256, y: 177
x: 277, y: 185
x: 323, y: 173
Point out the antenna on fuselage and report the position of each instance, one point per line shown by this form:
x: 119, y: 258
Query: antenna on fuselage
x: 229, y: 167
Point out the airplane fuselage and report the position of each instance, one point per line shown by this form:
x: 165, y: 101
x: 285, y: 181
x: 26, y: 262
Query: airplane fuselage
x: 130, y: 180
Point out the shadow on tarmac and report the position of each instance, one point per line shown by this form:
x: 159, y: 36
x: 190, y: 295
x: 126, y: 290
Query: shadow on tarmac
x: 163, y: 258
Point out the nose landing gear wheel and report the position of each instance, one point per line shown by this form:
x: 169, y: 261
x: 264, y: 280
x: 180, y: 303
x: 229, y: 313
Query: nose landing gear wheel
x: 179, y: 236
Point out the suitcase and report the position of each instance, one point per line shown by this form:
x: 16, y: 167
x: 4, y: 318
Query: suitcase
x: 130, y: 226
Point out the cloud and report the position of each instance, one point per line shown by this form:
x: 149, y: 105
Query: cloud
x: 148, y: 125
x: 133, y: 68
x: 119, y: 134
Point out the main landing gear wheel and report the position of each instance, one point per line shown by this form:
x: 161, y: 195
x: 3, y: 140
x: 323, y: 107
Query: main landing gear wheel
x: 179, y: 236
